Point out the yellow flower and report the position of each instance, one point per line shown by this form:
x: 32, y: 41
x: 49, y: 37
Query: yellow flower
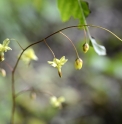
x: 29, y: 55
x: 58, y: 63
x: 85, y: 47
x: 57, y: 102
x: 3, y: 48
x: 78, y: 63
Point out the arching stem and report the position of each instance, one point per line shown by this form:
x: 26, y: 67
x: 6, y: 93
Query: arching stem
x: 14, y: 69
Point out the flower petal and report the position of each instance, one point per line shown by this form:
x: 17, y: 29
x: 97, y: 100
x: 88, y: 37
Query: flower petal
x: 62, y: 59
x: 7, y: 48
x: 52, y: 63
x: 56, y: 60
x: 6, y: 42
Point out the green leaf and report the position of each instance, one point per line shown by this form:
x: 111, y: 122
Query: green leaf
x: 99, y: 49
x: 70, y: 8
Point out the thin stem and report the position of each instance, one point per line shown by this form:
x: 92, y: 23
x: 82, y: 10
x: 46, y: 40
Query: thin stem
x: 18, y: 43
x: 14, y: 69
x: 49, y: 48
x: 13, y: 99
x: 23, y: 91
x: 84, y: 19
x: 31, y: 89
x: 65, y: 29
x: 71, y: 43
x: 82, y: 13
x: 106, y: 30
x: 13, y: 89
x: 9, y: 66
x: 85, y: 34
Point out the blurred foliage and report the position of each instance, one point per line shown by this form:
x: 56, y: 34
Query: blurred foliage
x: 93, y: 94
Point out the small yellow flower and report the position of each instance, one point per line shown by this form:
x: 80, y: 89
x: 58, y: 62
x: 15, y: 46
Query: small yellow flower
x: 85, y: 47
x: 57, y: 102
x: 29, y: 55
x: 58, y: 64
x: 78, y: 63
x: 3, y: 48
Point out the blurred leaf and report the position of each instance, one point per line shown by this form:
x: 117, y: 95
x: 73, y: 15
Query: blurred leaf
x: 99, y: 49
x: 70, y: 8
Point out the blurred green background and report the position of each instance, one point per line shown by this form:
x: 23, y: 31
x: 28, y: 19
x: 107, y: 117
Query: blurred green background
x: 93, y: 94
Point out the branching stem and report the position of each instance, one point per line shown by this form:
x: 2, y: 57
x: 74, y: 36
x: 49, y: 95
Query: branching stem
x: 14, y: 69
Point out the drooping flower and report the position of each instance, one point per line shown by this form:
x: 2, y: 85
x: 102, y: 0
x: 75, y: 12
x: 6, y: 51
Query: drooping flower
x: 3, y: 48
x: 29, y: 55
x: 58, y: 63
x: 78, y: 63
x: 57, y: 102
x: 85, y: 47
x: 2, y: 72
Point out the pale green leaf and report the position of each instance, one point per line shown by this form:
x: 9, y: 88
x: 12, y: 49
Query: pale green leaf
x: 99, y: 49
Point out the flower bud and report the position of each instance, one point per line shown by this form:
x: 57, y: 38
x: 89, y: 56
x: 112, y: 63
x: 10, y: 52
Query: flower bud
x: 2, y: 56
x: 2, y: 72
x: 85, y: 47
x: 78, y: 63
